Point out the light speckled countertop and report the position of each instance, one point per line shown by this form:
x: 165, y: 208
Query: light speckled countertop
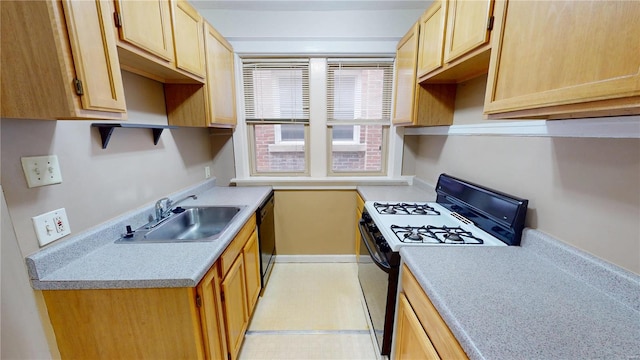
x: 541, y: 300
x: 420, y: 191
x: 94, y: 261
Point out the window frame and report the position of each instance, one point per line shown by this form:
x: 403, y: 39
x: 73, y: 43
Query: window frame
x: 317, y: 154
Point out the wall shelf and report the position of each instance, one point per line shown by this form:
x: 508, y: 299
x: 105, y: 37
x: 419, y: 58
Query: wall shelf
x: 106, y: 129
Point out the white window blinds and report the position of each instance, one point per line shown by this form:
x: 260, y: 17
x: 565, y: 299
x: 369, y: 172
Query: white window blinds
x: 276, y: 91
x: 359, y: 90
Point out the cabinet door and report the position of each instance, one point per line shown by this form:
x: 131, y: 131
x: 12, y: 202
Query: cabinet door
x: 235, y: 306
x: 147, y: 25
x: 211, y: 315
x: 405, y: 75
x: 187, y: 36
x: 582, y: 59
x: 432, y: 29
x: 93, y: 45
x: 220, y: 79
x: 251, y: 254
x: 467, y: 26
x: 411, y: 340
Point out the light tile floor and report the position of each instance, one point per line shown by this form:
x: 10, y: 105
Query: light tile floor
x: 310, y: 311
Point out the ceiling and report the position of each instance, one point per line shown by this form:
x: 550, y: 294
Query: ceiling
x: 309, y: 5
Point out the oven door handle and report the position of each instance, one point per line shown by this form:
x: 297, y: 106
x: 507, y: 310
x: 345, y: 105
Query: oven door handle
x: 368, y: 242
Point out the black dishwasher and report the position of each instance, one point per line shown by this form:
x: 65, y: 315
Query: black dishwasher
x: 266, y: 238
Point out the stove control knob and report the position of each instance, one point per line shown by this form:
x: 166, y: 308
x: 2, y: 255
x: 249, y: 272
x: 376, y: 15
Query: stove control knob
x: 384, y: 247
x: 366, y: 217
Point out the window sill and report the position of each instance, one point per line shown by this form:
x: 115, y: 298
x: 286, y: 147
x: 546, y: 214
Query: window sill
x: 337, y: 147
x: 319, y: 183
x: 284, y: 147
x: 299, y: 147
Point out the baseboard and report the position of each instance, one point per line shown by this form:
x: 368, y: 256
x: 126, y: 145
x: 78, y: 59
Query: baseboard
x: 315, y: 258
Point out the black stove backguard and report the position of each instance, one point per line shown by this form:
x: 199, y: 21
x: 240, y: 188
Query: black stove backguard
x: 497, y: 213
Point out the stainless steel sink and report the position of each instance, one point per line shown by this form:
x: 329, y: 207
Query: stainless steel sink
x: 205, y: 223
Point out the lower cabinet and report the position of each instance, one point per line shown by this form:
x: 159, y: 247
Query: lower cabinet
x: 203, y: 322
x: 359, y: 209
x: 412, y: 340
x: 420, y: 331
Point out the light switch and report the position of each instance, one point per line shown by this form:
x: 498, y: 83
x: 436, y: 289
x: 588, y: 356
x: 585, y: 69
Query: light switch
x: 51, y: 226
x: 41, y: 170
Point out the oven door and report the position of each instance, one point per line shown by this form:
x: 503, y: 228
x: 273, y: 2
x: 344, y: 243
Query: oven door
x: 378, y: 275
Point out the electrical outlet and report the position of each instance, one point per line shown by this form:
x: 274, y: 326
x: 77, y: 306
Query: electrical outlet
x: 207, y: 172
x: 41, y: 170
x: 51, y: 226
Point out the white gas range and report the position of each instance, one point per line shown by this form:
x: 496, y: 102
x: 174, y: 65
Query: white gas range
x: 425, y: 224
x: 464, y: 214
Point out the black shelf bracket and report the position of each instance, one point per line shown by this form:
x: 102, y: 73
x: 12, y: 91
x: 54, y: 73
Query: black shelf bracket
x: 106, y: 129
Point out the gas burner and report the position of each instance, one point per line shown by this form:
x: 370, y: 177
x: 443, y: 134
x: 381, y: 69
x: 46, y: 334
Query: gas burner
x: 435, y: 235
x: 405, y: 209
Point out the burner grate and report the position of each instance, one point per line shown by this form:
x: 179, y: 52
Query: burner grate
x: 404, y: 209
x: 435, y: 235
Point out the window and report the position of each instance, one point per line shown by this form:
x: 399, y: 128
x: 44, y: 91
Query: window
x: 358, y: 113
x: 316, y: 117
x: 277, y: 115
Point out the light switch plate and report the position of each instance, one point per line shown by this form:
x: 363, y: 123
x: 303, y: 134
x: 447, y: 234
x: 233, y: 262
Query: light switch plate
x: 51, y: 226
x: 41, y: 170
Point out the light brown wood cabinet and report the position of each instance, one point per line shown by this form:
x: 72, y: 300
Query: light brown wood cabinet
x: 240, y: 274
x: 234, y: 306
x: 156, y: 40
x: 213, y: 105
x: 454, y: 40
x: 431, y: 43
x: 565, y: 59
x: 412, y: 341
x: 213, y: 327
x: 59, y: 61
x: 359, y: 209
x: 251, y: 257
x: 187, y: 37
x: 420, y: 331
x: 418, y: 104
x: 204, y: 322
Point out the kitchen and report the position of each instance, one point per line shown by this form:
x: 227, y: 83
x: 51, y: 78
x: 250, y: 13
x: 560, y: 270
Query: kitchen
x: 572, y: 182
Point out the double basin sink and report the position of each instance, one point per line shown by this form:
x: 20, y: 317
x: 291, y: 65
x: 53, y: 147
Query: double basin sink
x: 200, y: 223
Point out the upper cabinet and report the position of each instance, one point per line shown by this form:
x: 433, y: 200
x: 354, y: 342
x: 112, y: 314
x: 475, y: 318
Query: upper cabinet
x: 418, y: 104
x: 59, y: 61
x: 220, y: 79
x: 160, y: 39
x: 468, y: 27
x: 454, y: 40
x: 214, y: 104
x: 564, y: 59
x: 432, y: 26
x: 146, y: 25
x: 405, y: 77
x: 187, y: 35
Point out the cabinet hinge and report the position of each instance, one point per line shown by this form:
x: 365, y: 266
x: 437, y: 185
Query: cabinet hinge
x: 198, y: 301
x: 117, y: 18
x: 490, y: 23
x: 78, y: 85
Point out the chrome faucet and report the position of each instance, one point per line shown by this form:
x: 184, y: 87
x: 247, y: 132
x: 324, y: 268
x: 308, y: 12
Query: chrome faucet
x: 175, y: 204
x: 163, y: 206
